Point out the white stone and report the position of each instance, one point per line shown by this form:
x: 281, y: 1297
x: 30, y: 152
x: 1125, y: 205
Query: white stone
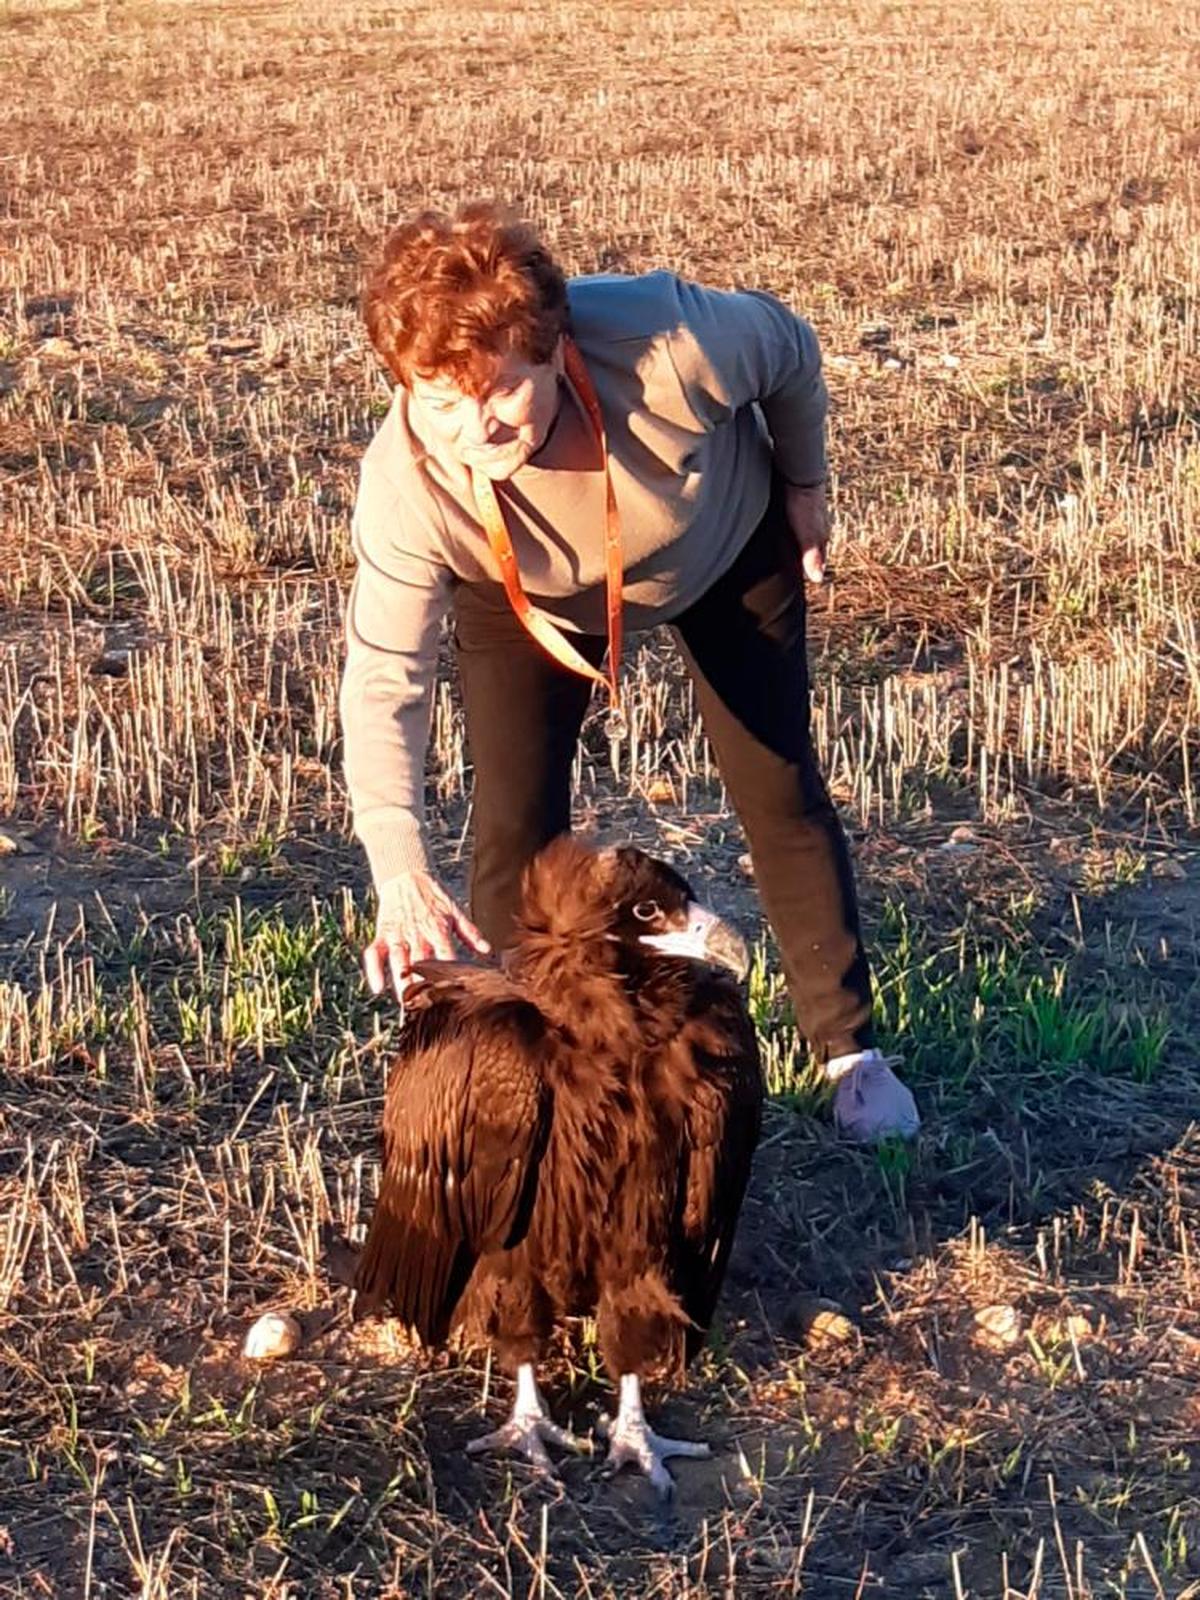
x: 274, y: 1335
x: 999, y: 1325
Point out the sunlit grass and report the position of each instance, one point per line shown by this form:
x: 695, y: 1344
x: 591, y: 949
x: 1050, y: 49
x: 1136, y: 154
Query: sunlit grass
x: 973, y: 1007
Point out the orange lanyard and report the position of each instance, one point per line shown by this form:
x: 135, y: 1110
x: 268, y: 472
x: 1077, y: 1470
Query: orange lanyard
x: 543, y: 630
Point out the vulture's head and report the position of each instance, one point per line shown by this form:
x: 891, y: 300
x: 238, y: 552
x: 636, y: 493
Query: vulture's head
x: 623, y: 896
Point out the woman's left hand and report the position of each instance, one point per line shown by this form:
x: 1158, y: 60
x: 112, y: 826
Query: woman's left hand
x: 808, y: 515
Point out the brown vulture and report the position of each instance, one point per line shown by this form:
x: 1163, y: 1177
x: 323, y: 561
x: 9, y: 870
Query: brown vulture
x: 571, y: 1135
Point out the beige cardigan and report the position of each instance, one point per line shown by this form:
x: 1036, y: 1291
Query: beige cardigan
x: 700, y: 390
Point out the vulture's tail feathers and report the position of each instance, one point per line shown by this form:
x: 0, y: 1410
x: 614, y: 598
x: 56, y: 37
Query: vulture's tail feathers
x: 403, y: 1270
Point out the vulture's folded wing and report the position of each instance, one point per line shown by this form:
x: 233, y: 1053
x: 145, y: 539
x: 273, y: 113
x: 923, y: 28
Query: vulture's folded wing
x: 723, y: 1121
x: 464, y: 1128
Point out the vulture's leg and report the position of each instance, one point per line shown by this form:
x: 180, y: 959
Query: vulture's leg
x: 631, y: 1441
x: 529, y: 1429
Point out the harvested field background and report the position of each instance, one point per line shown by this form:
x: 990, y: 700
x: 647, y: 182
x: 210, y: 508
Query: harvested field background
x: 990, y: 212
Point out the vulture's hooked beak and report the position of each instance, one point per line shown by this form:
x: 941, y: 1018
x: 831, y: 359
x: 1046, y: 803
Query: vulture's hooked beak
x: 705, y: 938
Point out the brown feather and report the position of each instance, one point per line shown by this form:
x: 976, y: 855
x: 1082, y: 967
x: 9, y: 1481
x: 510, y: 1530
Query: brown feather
x: 723, y: 1121
x: 463, y: 1128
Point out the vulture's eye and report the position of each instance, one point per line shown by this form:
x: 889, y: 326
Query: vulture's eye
x: 646, y: 910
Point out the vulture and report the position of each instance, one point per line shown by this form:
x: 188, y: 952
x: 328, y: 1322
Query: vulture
x: 570, y: 1134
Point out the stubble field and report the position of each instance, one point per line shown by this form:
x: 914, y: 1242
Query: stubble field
x: 990, y: 212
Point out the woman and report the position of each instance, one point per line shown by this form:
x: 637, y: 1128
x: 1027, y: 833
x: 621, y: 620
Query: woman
x: 561, y: 460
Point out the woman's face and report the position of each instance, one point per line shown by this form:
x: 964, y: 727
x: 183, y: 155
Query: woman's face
x: 494, y: 433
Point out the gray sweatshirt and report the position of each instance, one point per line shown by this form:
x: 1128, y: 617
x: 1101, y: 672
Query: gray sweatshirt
x: 700, y: 390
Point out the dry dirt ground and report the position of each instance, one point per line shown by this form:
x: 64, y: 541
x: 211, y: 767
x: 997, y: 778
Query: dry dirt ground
x: 965, y: 1368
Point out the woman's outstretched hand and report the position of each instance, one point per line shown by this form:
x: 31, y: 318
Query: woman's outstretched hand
x: 417, y: 921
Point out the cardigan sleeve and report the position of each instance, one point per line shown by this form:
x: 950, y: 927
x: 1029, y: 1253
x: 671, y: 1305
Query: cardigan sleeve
x: 393, y: 623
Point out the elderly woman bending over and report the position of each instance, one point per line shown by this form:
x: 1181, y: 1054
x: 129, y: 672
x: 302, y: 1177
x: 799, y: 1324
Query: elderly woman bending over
x: 562, y: 460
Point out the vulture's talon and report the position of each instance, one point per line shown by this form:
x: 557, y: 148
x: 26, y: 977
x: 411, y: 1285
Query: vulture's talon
x: 529, y: 1430
x: 632, y: 1442
x: 649, y: 1452
x: 553, y: 1434
x: 528, y: 1434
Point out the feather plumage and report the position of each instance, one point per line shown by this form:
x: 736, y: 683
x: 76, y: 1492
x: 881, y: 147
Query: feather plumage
x: 572, y: 1134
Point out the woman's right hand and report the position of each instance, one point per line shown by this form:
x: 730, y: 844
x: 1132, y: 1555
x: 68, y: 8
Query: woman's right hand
x: 417, y: 921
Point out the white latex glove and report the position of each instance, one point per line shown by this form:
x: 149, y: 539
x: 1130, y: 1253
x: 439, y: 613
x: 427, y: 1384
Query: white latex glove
x: 870, y: 1102
x: 417, y: 921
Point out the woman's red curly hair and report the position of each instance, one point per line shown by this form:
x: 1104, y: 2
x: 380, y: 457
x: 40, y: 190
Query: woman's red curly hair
x: 453, y: 294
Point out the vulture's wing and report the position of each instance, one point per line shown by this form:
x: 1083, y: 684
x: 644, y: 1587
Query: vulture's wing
x: 723, y: 1120
x: 464, y: 1128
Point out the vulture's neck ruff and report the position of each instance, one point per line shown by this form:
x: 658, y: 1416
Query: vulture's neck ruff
x: 612, y: 967
x: 572, y: 967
